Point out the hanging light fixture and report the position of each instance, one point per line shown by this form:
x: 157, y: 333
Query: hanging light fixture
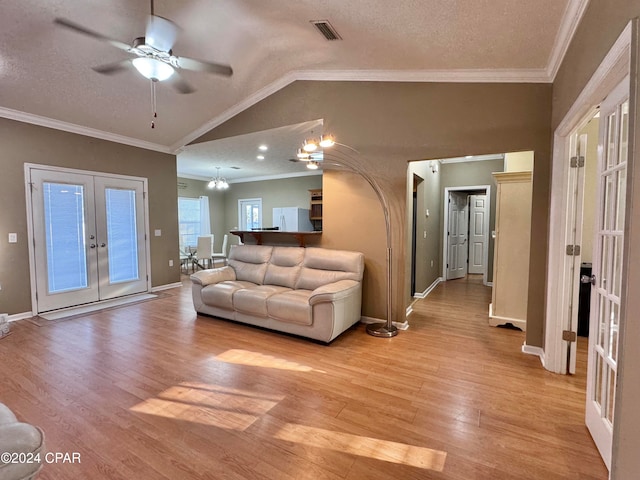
x: 310, y: 145
x: 219, y: 183
x: 327, y: 141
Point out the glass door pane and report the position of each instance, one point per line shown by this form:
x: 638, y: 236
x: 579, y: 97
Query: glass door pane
x: 64, y: 237
x: 120, y: 225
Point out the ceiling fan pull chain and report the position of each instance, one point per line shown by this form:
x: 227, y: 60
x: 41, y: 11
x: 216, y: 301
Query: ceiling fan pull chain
x: 154, y: 114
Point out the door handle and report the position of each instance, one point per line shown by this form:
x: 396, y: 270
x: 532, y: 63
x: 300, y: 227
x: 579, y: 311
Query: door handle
x: 588, y: 279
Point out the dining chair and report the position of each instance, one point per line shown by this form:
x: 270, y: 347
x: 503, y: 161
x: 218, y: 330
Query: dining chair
x: 223, y: 254
x: 204, y: 252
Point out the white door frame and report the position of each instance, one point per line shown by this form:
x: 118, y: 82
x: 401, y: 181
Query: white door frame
x: 487, y: 189
x: 30, y: 233
x: 248, y: 200
x: 608, y: 75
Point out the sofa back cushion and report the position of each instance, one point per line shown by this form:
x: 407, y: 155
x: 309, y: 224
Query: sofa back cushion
x: 322, y: 266
x: 250, y: 262
x: 284, y: 266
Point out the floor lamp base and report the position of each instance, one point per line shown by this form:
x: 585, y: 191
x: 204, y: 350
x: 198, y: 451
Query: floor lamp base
x: 382, y: 330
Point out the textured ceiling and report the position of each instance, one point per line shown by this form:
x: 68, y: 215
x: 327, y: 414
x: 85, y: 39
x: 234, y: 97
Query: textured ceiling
x: 46, y: 75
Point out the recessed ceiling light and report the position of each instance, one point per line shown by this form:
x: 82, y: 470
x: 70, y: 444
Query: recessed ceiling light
x: 263, y: 148
x: 260, y: 157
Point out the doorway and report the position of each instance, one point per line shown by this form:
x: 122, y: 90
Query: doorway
x: 466, y: 233
x: 87, y: 237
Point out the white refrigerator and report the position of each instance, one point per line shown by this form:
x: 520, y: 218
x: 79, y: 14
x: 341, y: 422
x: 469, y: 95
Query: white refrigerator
x: 292, y: 219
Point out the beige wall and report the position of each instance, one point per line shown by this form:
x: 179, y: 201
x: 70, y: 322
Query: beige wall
x: 24, y: 143
x: 392, y: 123
x: 518, y: 162
x: 601, y: 25
x: 430, y: 248
x: 590, y: 189
x: 284, y: 192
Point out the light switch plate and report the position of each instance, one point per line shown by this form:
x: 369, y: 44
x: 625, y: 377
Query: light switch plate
x: 13, y: 238
x: 157, y: 232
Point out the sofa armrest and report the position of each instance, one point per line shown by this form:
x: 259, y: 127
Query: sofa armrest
x: 333, y: 291
x: 214, y: 275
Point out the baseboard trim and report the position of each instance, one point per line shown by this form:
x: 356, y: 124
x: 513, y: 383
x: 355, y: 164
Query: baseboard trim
x: 368, y: 320
x: 489, y: 284
x: 531, y: 350
x: 429, y: 288
x: 166, y: 287
x: 401, y: 325
x: 409, y: 310
x: 20, y: 316
x: 495, y: 320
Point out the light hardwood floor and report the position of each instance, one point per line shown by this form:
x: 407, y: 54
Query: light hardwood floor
x: 151, y: 391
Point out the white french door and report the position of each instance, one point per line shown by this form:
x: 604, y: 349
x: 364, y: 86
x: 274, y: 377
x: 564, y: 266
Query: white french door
x: 607, y: 268
x: 88, y: 237
x: 457, y: 248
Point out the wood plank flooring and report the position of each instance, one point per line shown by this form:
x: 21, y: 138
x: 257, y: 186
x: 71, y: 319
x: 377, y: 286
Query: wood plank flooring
x: 152, y: 391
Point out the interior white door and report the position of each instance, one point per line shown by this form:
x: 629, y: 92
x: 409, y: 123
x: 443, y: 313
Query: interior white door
x: 64, y: 237
x: 478, y: 235
x: 457, y: 248
x: 605, y: 321
x: 88, y: 238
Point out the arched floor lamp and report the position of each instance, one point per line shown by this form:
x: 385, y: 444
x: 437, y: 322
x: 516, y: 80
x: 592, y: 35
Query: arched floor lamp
x: 387, y: 329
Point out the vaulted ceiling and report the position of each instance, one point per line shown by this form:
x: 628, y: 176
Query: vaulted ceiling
x: 46, y: 76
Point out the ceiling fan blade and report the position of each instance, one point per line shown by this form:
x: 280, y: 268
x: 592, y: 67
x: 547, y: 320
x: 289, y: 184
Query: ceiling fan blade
x: 202, y: 66
x: 180, y: 84
x: 111, y: 68
x: 63, y: 22
x: 161, y: 33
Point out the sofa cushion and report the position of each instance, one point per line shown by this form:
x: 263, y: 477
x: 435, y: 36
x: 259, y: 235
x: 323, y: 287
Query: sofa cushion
x: 254, y: 300
x: 322, y: 266
x: 250, y: 262
x: 221, y: 294
x: 284, y: 266
x: 291, y: 307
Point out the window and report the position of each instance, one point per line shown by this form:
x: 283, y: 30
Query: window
x: 250, y: 213
x: 188, y: 221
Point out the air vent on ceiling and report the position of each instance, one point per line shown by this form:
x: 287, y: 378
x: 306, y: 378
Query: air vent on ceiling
x: 326, y: 29
x: 235, y: 168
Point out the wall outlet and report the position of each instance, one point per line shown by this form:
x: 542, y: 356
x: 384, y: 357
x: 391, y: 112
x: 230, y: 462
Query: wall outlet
x: 171, y: 263
x: 424, y: 235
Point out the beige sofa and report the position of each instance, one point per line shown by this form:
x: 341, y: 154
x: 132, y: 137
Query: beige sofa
x: 23, y: 444
x: 311, y: 292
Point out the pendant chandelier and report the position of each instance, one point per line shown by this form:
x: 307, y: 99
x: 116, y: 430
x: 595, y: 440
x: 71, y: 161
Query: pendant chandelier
x: 219, y: 183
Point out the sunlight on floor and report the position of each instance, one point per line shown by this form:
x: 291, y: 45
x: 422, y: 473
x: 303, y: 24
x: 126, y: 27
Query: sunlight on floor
x: 205, y: 404
x: 394, y: 452
x: 255, y: 359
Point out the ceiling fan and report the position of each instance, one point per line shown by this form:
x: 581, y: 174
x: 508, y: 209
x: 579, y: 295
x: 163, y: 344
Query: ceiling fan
x: 154, y: 58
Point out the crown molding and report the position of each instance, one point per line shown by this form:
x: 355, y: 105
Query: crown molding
x: 536, y: 75
x: 568, y: 26
x: 260, y: 178
x: 79, y: 129
x: 474, y: 158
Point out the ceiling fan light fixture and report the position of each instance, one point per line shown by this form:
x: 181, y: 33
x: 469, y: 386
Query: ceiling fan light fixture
x: 313, y: 165
x: 152, y: 68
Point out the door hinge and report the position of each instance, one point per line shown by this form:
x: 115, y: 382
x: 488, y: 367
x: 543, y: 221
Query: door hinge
x: 569, y: 336
x: 577, y: 162
x: 573, y: 250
